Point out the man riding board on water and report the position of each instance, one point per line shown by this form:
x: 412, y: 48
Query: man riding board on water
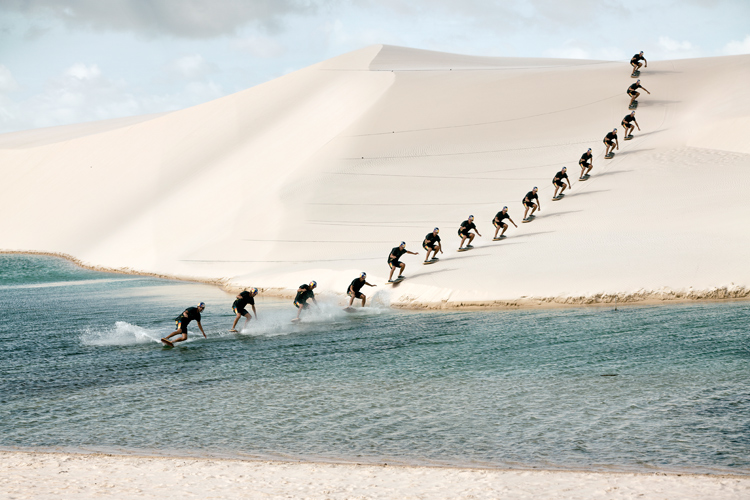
x: 354, y: 289
x: 183, y: 320
x: 304, y: 293
x: 243, y: 299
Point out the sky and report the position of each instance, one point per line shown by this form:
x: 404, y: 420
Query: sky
x: 72, y: 61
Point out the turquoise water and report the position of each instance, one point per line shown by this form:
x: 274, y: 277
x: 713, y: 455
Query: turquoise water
x: 640, y: 389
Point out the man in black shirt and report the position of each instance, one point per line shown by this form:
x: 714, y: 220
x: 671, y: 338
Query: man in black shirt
x: 586, y: 162
x: 558, y: 182
x: 498, y: 223
x: 528, y: 203
x: 238, y: 306
x: 633, y: 91
x: 464, y: 232
x: 395, y: 263
x: 354, y: 289
x: 626, y: 122
x: 304, y: 292
x: 610, y: 140
x: 183, y: 320
x: 635, y: 62
x: 431, y: 243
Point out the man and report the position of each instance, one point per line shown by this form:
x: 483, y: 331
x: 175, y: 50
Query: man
x: 610, y: 140
x: 354, y: 289
x: 558, y: 182
x: 243, y: 299
x: 304, y: 293
x: 587, y: 163
x: 633, y: 91
x: 395, y: 263
x: 628, y: 127
x: 464, y: 232
x: 432, y: 243
x: 498, y: 223
x: 634, y: 62
x: 528, y: 203
x: 183, y: 320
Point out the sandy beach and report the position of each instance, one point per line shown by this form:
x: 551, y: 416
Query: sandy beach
x: 318, y: 174
x: 55, y: 475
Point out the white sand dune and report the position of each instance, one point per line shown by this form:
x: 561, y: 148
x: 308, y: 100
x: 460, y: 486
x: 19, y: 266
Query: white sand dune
x: 318, y: 174
x: 46, y: 475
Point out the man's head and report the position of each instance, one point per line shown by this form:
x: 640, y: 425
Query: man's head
x: 313, y: 284
x: 201, y: 306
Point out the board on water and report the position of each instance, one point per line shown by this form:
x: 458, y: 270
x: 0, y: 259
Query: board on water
x: 295, y: 320
x: 167, y: 343
x: 628, y: 137
x: 350, y: 309
x: 396, y: 281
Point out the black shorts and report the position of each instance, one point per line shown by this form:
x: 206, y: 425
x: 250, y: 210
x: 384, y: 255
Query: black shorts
x: 632, y: 93
x: 499, y: 224
x: 626, y: 124
x: 462, y: 234
x: 529, y: 204
x: 302, y: 305
x: 583, y: 163
x: 395, y: 263
x: 608, y: 142
x: 181, y: 324
x: 558, y: 183
x: 428, y: 247
x: 357, y: 295
x: 241, y: 311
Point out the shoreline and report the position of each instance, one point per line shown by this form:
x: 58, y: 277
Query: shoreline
x: 638, y: 298
x: 55, y: 475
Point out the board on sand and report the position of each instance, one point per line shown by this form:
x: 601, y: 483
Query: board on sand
x: 628, y: 137
x: 584, y: 178
x: 428, y: 262
x: 529, y: 219
x: 396, y: 281
x: 350, y: 309
x: 609, y: 156
x: 558, y: 197
x: 167, y: 343
x: 633, y: 106
x: 501, y: 237
x: 635, y: 74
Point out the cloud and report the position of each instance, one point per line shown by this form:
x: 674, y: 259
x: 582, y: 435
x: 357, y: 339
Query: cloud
x: 670, y: 45
x: 736, y: 47
x: 7, y: 82
x: 180, y: 18
x: 259, y: 46
x: 193, y: 67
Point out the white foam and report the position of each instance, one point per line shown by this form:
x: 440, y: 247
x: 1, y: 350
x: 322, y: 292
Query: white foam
x: 123, y: 333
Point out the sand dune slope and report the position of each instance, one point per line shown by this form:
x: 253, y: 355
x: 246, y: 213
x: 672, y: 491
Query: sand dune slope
x: 318, y: 174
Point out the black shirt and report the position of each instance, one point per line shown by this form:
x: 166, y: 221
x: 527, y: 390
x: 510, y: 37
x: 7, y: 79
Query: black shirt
x: 628, y: 118
x: 245, y: 299
x: 431, y: 239
x: 467, y: 226
x: 561, y: 175
x: 192, y: 314
x: 586, y: 156
x: 396, y: 253
x: 356, y: 285
x: 611, y: 136
x: 531, y: 195
x: 637, y: 58
x: 635, y: 87
x: 500, y: 216
x: 305, y: 294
